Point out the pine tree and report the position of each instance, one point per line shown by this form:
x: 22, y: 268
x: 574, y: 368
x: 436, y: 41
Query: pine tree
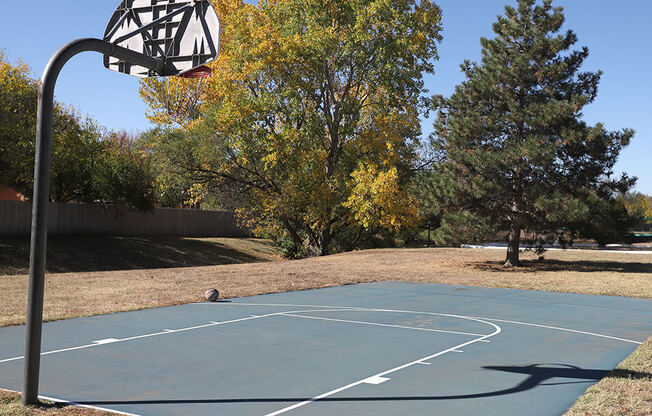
x: 514, y: 146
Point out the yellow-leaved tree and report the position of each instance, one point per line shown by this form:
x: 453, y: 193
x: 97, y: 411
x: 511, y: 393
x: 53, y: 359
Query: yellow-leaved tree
x: 18, y: 94
x: 312, y: 115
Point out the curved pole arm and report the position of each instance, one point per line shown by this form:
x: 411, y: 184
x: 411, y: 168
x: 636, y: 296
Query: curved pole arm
x: 42, y: 192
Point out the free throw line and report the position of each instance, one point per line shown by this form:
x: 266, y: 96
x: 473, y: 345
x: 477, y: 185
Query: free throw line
x: 379, y: 324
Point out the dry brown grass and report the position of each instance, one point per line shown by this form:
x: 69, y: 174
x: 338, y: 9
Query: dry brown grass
x: 90, y: 293
x: 625, y: 391
x: 88, y: 253
x: 10, y: 405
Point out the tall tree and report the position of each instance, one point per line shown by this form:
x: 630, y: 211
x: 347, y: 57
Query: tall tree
x: 515, y: 148
x: 86, y: 167
x: 76, y: 148
x: 18, y: 95
x: 313, y: 103
x: 638, y: 204
x: 168, y: 155
x: 122, y: 173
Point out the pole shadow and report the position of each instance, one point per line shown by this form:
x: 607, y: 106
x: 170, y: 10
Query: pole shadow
x: 535, y: 375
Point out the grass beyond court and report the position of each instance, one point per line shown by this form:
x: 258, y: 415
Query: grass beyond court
x: 92, y: 292
x: 71, y: 295
x: 68, y: 254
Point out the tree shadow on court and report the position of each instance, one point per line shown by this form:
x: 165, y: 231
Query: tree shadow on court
x: 105, y: 253
x: 535, y: 375
x: 534, y: 266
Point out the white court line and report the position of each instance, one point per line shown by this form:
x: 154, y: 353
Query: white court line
x: 164, y: 332
x: 566, y: 330
x: 107, y: 341
x: 378, y: 324
x: 292, y: 305
x: 521, y: 323
x: 117, y: 412
x: 384, y: 373
x: 357, y: 308
x: 376, y: 380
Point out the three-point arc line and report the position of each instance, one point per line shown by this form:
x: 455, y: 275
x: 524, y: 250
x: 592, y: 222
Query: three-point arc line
x: 358, y: 308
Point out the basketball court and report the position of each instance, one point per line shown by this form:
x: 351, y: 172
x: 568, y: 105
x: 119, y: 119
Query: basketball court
x: 372, y: 349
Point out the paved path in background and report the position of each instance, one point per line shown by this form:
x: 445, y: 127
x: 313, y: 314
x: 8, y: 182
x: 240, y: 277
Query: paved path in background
x: 634, y: 249
x: 389, y: 348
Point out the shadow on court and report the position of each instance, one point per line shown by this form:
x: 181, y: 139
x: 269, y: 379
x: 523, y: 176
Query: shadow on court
x: 537, y: 375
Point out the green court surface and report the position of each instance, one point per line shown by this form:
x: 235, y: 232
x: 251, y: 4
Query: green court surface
x: 373, y: 349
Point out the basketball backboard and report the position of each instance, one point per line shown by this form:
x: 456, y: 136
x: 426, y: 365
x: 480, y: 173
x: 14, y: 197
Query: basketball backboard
x: 183, y: 33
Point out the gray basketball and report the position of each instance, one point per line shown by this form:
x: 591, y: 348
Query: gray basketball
x: 212, y: 295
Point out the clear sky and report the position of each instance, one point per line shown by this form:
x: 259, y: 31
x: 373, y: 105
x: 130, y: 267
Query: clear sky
x: 618, y: 35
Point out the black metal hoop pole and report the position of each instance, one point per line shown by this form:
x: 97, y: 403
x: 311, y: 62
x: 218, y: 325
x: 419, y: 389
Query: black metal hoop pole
x: 42, y: 193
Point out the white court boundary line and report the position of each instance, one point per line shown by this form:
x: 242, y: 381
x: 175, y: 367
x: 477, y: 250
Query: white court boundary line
x: 86, y: 406
x: 249, y: 318
x: 566, y: 330
x: 164, y: 332
x: 357, y: 308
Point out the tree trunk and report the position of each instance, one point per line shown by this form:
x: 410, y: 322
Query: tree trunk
x: 513, y: 245
x: 323, y: 241
x: 293, y: 233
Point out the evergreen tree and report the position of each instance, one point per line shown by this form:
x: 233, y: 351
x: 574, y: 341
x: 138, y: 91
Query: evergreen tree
x: 515, y: 149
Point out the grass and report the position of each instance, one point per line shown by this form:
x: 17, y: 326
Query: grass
x: 102, y: 253
x: 91, y: 292
x: 95, y: 292
x: 627, y: 390
x: 10, y: 405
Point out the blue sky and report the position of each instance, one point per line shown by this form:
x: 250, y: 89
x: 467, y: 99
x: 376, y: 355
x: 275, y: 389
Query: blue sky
x: 618, y: 35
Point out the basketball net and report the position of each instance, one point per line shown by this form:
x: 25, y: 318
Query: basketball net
x: 184, y: 94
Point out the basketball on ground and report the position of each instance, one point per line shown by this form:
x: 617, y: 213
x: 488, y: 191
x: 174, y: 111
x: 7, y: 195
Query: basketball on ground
x: 212, y: 295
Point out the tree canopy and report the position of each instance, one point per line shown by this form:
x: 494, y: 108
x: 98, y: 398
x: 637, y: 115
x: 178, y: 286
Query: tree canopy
x: 18, y: 95
x: 638, y: 204
x: 88, y: 164
x: 313, y: 113
x: 515, y: 149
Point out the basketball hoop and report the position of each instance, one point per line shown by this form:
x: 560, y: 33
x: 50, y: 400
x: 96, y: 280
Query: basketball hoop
x: 184, y: 92
x: 144, y: 38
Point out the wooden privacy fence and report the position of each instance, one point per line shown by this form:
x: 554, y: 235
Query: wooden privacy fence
x: 15, y: 221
